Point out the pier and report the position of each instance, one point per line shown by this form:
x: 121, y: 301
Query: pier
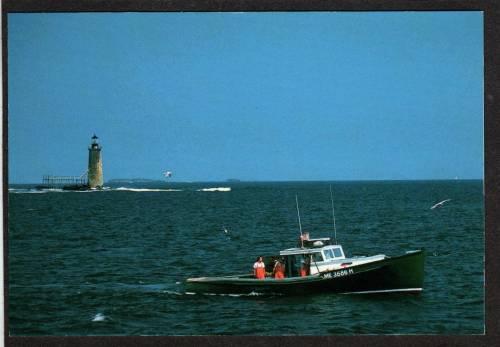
x: 61, y: 181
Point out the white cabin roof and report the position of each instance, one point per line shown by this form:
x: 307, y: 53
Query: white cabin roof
x: 297, y: 250
x: 300, y: 251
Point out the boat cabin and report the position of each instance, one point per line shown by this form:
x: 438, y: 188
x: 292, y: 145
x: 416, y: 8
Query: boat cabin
x: 316, y: 255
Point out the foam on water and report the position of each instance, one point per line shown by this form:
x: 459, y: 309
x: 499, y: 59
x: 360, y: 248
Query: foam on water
x: 99, y: 317
x: 234, y: 295
x: 216, y: 189
x: 83, y: 191
x: 172, y: 292
x: 27, y: 191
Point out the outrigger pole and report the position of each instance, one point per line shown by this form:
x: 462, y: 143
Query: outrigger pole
x: 333, y: 213
x: 300, y: 225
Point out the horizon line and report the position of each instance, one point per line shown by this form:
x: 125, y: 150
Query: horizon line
x: 277, y: 181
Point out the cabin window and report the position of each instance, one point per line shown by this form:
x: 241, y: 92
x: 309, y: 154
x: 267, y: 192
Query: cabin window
x: 317, y: 256
x: 328, y: 254
x: 337, y: 252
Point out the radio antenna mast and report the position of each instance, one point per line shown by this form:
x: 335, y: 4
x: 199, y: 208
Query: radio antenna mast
x: 300, y: 225
x: 333, y: 214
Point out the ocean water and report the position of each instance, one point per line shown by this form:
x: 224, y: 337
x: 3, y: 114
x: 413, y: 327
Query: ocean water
x: 113, y: 262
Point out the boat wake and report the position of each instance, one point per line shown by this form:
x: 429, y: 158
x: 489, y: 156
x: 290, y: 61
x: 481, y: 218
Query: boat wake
x: 402, y: 290
x: 251, y: 294
x: 216, y: 189
x: 172, y: 292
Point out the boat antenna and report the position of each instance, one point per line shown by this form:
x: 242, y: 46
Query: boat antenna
x: 333, y: 214
x: 300, y: 225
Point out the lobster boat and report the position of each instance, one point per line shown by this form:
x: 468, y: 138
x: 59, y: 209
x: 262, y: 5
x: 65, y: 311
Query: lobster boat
x: 320, y: 265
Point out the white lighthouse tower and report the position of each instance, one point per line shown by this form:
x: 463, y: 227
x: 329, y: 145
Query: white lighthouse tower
x: 95, y: 177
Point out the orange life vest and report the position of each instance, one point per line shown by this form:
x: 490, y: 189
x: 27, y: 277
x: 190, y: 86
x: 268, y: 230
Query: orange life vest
x: 303, y: 272
x: 279, y: 272
x: 260, y: 270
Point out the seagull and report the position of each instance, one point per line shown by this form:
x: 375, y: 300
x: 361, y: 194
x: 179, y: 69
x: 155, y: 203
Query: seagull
x: 439, y: 204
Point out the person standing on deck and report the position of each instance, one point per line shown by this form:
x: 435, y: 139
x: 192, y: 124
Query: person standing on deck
x: 304, y: 268
x: 259, y: 269
x: 279, y: 270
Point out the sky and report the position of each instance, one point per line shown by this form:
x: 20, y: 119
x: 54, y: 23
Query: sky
x: 252, y: 96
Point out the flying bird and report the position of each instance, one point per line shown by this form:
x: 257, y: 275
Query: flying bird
x: 167, y: 174
x: 439, y: 204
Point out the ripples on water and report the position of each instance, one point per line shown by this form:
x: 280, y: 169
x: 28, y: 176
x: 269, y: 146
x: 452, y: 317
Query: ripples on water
x: 113, y: 262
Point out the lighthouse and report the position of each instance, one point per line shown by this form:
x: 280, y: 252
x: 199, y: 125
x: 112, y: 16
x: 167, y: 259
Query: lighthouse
x: 95, y: 178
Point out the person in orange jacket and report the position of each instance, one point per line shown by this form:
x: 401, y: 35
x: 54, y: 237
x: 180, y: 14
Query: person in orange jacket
x: 304, y: 268
x: 279, y: 270
x: 259, y: 269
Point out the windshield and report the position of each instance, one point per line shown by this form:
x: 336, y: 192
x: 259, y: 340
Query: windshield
x: 337, y: 252
x: 332, y: 253
x: 328, y: 253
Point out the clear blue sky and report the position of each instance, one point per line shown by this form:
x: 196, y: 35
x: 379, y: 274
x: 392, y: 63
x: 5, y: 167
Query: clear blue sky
x: 254, y: 96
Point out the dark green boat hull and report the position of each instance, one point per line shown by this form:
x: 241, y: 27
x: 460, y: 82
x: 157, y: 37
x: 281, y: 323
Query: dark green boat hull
x: 403, y: 273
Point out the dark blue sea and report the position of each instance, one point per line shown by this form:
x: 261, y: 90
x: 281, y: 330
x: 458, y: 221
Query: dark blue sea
x: 113, y: 262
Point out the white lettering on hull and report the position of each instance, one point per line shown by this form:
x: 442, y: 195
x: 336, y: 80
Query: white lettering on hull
x: 335, y: 274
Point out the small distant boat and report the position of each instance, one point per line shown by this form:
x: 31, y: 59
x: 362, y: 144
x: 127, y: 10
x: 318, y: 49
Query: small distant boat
x: 328, y: 270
